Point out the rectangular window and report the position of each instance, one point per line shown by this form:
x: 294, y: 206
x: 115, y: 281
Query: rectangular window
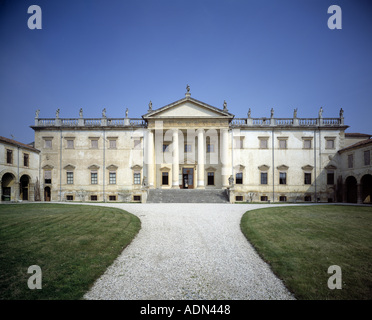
x: 330, y: 144
x: 307, y: 144
x: 238, y: 198
x: 48, y: 144
x: 239, y: 142
x: 350, y: 161
x: 165, y: 147
x: 112, y: 198
x: 263, y: 143
x: 70, y: 144
x: 239, y: 178
x: 283, y: 198
x: 26, y: 162
x: 94, y: 177
x: 136, y: 198
x: 93, y: 198
x: 282, y: 144
x: 47, y: 176
x: 263, y: 177
x: 210, y: 148
x: 263, y: 198
x: 282, y: 178
x: 137, y: 178
x: 112, y: 178
x: 330, y: 177
x: 210, y: 181
x: 94, y: 144
x: 308, y: 198
x: 112, y: 144
x: 367, y: 158
x: 9, y: 156
x: 187, y: 147
x: 164, y: 178
x: 69, y: 197
x: 307, y: 179
x: 70, y: 178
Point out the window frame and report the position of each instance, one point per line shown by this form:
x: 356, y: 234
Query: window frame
x: 9, y: 156
x: 282, y: 181
x: 69, y: 177
x: 307, y: 178
x: 137, y: 177
x: 94, y: 177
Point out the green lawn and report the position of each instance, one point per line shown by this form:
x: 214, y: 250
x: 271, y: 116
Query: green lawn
x: 72, y: 244
x: 302, y: 242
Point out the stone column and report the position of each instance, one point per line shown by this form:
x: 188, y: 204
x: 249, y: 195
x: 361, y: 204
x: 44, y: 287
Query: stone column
x: 201, y: 155
x: 175, y: 163
x: 226, y: 172
x: 150, y: 158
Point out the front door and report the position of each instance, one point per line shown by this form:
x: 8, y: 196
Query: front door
x: 188, y: 178
x: 47, y: 194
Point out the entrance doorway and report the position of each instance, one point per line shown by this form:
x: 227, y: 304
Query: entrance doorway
x: 47, y: 194
x: 25, y: 182
x: 7, y: 183
x: 187, y: 178
x: 351, y: 190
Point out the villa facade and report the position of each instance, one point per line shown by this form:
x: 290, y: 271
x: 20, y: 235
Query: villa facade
x: 189, y: 144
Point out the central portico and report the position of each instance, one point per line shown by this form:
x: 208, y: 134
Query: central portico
x: 187, y: 145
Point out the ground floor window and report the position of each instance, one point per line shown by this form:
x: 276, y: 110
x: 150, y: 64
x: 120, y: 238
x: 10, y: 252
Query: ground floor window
x: 238, y: 198
x: 263, y: 198
x: 69, y: 197
x: 137, y: 198
x: 112, y: 198
x: 307, y: 198
x: 164, y: 178
x: 283, y: 198
x: 93, y: 198
x: 210, y: 181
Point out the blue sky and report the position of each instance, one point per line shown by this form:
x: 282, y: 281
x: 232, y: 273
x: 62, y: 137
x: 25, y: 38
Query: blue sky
x: 255, y: 54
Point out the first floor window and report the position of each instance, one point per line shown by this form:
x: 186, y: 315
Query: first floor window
x: 25, y: 159
x: 282, y: 178
x: 94, y: 144
x: 367, y: 158
x: 210, y: 178
x: 112, y: 177
x: 210, y: 148
x: 187, y: 147
x: 9, y: 156
x: 112, y: 144
x: 264, y: 178
x: 263, y: 143
x: 282, y: 144
x: 164, y: 178
x: 350, y: 161
x: 239, y: 178
x: 70, y: 178
x: 307, y: 144
x: 330, y: 144
x: 137, y: 178
x: 94, y: 177
x: 307, y: 178
x: 70, y: 144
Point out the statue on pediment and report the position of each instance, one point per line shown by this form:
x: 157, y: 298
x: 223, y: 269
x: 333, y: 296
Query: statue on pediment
x: 126, y: 113
x: 224, y: 105
x: 188, y: 88
x: 341, y: 113
x: 150, y: 106
x: 104, y: 113
x: 295, y: 113
x: 57, y: 113
x: 272, y: 112
x: 321, y: 112
x: 249, y: 113
x: 81, y: 113
x: 37, y: 113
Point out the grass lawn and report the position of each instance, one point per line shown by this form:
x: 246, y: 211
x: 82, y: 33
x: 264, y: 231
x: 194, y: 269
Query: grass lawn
x: 302, y: 242
x: 72, y: 244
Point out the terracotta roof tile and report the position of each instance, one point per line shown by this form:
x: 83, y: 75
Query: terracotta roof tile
x: 19, y: 144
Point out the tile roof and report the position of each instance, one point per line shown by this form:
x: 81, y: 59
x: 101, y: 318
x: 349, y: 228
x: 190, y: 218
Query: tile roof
x: 357, y: 145
x: 357, y: 135
x: 18, y: 144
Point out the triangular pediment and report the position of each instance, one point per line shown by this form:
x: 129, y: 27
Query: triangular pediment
x: 188, y: 108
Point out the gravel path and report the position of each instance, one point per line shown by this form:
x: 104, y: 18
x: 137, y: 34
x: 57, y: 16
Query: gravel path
x: 188, y: 251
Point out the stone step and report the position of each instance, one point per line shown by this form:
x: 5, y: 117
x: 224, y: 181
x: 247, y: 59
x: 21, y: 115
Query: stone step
x: 187, y: 196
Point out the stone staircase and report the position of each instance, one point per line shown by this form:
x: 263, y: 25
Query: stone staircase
x: 187, y: 196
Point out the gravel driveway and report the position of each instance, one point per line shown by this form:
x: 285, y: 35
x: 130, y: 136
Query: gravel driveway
x: 188, y: 251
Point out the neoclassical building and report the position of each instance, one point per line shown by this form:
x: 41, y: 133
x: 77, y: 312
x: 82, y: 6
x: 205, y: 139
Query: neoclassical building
x: 189, y: 144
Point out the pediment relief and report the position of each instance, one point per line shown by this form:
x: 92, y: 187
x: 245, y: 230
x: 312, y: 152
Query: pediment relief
x: 188, y: 108
x: 165, y: 168
x: 330, y: 167
x: 211, y: 169
x: 112, y: 167
x: 264, y: 167
x: 69, y: 167
x: 307, y: 167
x: 136, y: 167
x: 239, y: 168
x: 48, y: 167
x: 93, y: 167
x: 283, y: 167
